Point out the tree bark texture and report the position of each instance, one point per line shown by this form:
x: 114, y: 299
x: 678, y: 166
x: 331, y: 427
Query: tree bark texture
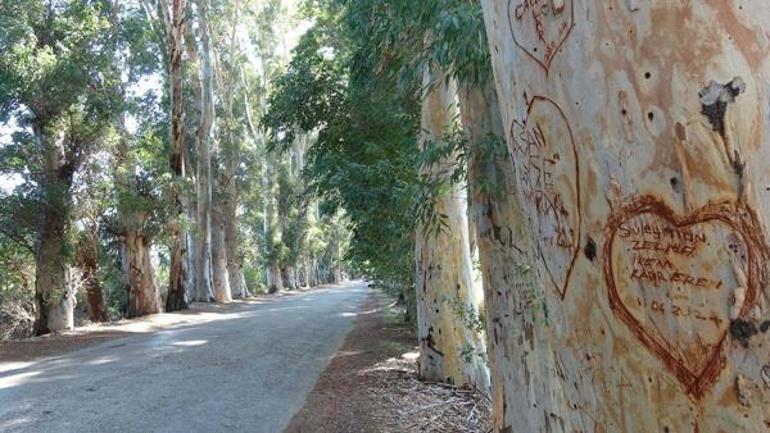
x: 628, y: 282
x: 177, y: 290
x: 53, y: 292
x: 143, y: 296
x: 231, y: 236
x: 451, y: 347
x: 88, y: 263
x: 204, y: 290
x: 222, y: 288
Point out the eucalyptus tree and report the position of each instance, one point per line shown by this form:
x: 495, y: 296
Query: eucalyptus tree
x: 139, y: 168
x: 43, y: 45
x: 635, y: 299
x: 171, y: 24
x: 445, y: 39
x: 141, y: 212
x: 204, y: 290
x: 92, y: 200
x: 364, y: 159
x: 233, y: 98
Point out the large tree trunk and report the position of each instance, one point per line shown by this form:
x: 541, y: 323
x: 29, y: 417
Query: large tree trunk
x: 289, y: 277
x: 134, y: 245
x: 88, y: 263
x: 54, y: 294
x: 447, y: 299
x: 204, y: 290
x: 177, y: 291
x: 143, y: 296
x: 634, y: 298
x: 232, y: 157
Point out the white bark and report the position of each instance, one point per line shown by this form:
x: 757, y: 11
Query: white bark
x: 447, y: 298
x: 205, y: 290
x: 632, y: 296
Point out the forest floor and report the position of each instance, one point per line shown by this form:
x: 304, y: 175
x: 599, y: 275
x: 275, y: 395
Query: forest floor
x: 371, y: 386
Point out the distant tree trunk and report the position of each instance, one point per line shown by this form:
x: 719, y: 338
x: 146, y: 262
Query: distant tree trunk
x: 447, y: 298
x: 633, y: 296
x: 338, y: 276
x: 289, y: 277
x: 143, y: 296
x: 232, y: 238
x: 231, y: 150
x: 55, y: 296
x: 176, y: 24
x: 222, y: 288
x: 88, y: 263
x: 274, y: 280
x: 238, y: 284
x: 304, y: 274
x: 273, y: 271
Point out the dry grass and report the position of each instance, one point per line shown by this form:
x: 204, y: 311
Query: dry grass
x: 15, y: 321
x: 408, y: 405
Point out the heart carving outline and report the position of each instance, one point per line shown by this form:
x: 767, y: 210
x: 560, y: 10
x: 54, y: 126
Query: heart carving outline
x: 545, y: 63
x: 743, y: 222
x: 516, y: 125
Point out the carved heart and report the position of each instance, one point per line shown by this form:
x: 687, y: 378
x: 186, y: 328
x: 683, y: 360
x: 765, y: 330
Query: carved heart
x: 672, y: 279
x: 540, y: 27
x: 546, y: 163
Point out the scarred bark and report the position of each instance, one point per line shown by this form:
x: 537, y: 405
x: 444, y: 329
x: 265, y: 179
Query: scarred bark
x: 448, y: 300
x: 629, y: 282
x: 143, y: 297
x: 177, y: 291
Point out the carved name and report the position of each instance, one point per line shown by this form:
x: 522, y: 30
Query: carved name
x: 540, y: 27
x: 671, y: 280
x: 546, y: 162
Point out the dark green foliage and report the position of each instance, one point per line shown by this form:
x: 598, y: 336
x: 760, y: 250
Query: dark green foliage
x: 365, y: 158
x: 356, y: 79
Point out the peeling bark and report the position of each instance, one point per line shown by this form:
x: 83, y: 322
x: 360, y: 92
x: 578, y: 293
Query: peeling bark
x: 204, y: 291
x: 143, y: 296
x: 447, y: 297
x: 628, y: 269
x: 175, y: 23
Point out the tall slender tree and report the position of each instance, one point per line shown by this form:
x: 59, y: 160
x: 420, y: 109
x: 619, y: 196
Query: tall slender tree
x: 172, y: 23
